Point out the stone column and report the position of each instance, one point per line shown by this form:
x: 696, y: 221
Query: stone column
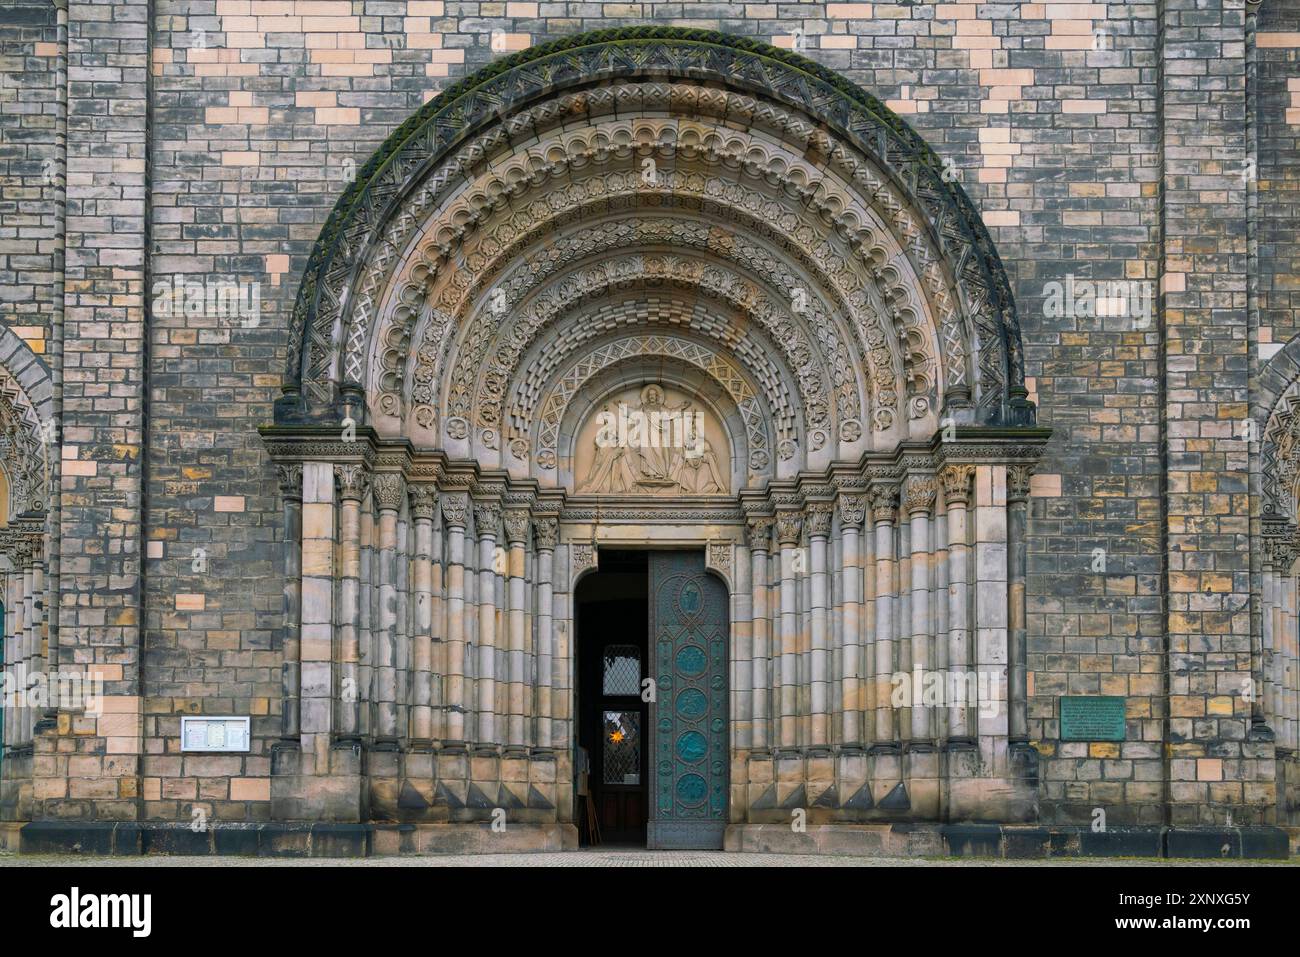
x: 290, y: 477
x: 516, y: 524
x: 352, y: 481
x: 318, y: 540
x: 760, y: 540
x: 487, y: 526
x: 918, y: 502
x: 956, y: 481
x: 736, y: 558
x: 546, y: 533
x: 990, y: 576
x: 884, y: 515
x: 789, y: 526
x: 455, y: 509
x: 852, y: 513
x: 819, y: 529
x: 39, y: 627
x: 424, y: 499
x: 389, y: 488
x: 1017, y: 568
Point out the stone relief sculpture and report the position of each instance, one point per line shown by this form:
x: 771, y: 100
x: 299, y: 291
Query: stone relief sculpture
x: 649, y: 447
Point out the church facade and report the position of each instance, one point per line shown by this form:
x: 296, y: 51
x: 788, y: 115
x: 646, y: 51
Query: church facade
x: 847, y: 427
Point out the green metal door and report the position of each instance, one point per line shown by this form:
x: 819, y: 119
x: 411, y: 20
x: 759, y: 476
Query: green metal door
x: 691, y: 748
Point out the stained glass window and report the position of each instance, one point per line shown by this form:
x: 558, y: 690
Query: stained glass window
x: 622, y: 670
x: 622, y: 747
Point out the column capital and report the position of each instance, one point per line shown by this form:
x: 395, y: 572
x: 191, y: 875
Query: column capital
x: 390, y: 487
x: 487, y: 519
x: 455, y: 510
x: 516, y: 525
x: 1018, y: 477
x: 758, y: 531
x: 546, y: 533
x: 819, y: 519
x: 884, y: 502
x: 289, y: 477
x: 424, y: 500
x: 351, y: 480
x: 789, y: 527
x: 853, y: 510
x: 920, y: 493
x: 956, y: 481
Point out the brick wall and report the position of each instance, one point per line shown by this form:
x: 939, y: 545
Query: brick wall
x: 1057, y: 118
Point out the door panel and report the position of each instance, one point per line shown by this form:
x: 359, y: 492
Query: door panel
x: 689, y: 730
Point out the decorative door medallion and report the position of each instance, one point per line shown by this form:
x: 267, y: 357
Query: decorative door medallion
x: 691, y: 747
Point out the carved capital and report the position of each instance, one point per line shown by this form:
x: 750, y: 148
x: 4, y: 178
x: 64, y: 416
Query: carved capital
x: 289, y: 476
x: 389, y: 488
x: 424, y: 500
x: 789, y: 527
x: 884, y: 503
x: 455, y: 510
x: 956, y: 481
x: 516, y: 523
x: 487, y: 519
x: 351, y: 480
x: 853, y: 510
x: 758, y: 529
x: 1018, y: 482
x: 920, y: 494
x: 819, y: 519
x: 546, y: 532
x: 1280, y: 552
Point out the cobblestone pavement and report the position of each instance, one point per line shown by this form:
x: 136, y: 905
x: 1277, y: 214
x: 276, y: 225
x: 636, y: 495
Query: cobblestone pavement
x: 606, y: 858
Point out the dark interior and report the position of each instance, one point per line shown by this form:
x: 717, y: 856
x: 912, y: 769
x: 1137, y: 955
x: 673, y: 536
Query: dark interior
x: 612, y: 621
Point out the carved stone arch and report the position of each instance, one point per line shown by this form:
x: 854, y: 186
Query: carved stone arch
x: 439, y: 346
x: 829, y: 381
x: 418, y: 157
x: 27, y: 427
x: 1275, y: 417
x: 781, y: 389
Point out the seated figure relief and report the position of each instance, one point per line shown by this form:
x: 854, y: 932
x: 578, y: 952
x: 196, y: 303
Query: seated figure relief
x: 650, y: 446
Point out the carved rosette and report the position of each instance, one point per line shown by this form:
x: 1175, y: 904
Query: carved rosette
x: 919, y: 495
x: 455, y: 510
x: 546, y: 532
x: 820, y: 515
x: 289, y: 477
x: 424, y: 501
x: 351, y: 480
x: 389, y: 488
x: 487, y: 519
x: 884, y: 503
x: 956, y: 481
x: 516, y: 525
x: 853, y: 510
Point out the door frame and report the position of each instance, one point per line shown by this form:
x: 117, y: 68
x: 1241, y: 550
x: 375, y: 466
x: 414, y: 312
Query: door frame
x: 725, y: 553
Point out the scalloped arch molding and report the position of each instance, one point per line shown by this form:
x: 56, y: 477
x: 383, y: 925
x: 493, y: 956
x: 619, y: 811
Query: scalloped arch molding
x: 765, y: 206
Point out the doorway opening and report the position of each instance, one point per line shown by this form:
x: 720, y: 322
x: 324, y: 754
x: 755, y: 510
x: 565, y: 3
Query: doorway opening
x: 612, y: 616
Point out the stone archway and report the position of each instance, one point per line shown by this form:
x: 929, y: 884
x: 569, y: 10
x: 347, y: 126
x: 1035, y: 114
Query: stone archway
x: 1277, y: 669
x: 760, y: 241
x: 27, y: 433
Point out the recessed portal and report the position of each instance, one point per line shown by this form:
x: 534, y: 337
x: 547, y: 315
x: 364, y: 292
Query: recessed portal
x: 652, y: 633
x: 612, y: 628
